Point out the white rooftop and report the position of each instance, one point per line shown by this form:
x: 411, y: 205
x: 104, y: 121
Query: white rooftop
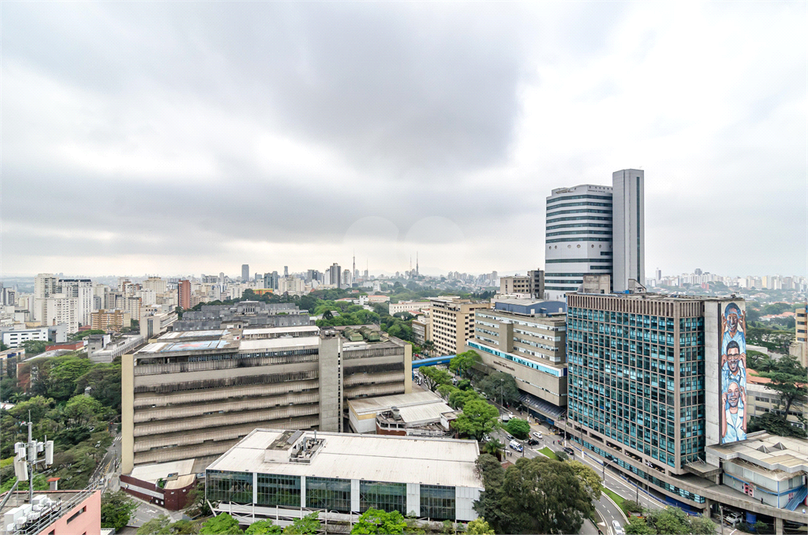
x: 768, y: 451
x: 252, y: 331
x: 279, y: 343
x: 383, y: 403
x: 153, y: 472
x: 394, y: 459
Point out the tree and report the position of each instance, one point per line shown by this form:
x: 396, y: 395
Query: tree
x: 537, y: 495
x: 518, y: 428
x: 459, y: 398
x: 638, y: 526
x: 493, y: 447
x: 630, y: 506
x: 81, y: 410
x: 588, y: 478
x: 34, y: 347
x: 156, y: 526
x: 446, y: 391
x: 788, y: 379
x: 184, y: 527
x: 463, y: 362
x: 222, y: 524
x: 375, y: 521
x: 116, y: 510
x: 309, y: 524
x: 500, y: 385
x: 775, y: 424
x: 701, y: 525
x: 434, y: 377
x: 478, y: 418
x: 479, y: 527
x: 263, y: 527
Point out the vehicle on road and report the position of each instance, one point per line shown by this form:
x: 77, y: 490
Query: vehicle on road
x: 532, y: 442
x: 505, y: 418
x: 733, y: 518
x: 515, y: 445
x: 618, y: 529
x: 569, y: 451
x: 537, y: 434
x: 510, y: 436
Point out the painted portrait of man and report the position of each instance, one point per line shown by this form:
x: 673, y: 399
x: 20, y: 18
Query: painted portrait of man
x: 733, y: 416
x: 733, y: 425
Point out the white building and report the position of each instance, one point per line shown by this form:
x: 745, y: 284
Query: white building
x: 409, y: 306
x: 59, y: 308
x: 285, y: 474
x: 82, y: 291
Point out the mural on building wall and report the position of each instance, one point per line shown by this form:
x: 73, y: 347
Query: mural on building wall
x: 732, y: 389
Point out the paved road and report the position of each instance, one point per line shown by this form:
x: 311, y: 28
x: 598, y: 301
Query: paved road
x: 107, y: 469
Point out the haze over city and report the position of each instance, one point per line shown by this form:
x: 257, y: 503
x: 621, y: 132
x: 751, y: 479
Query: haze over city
x: 193, y: 137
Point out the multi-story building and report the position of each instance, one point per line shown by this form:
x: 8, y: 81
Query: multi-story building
x: 578, y: 237
x: 155, y: 284
x: 452, y: 323
x: 527, y: 339
x: 65, y: 512
x: 530, y: 286
x: 184, y: 294
x: 628, y: 197
x: 82, y: 291
x: 192, y: 395
x: 658, y: 389
x: 59, y: 308
x: 111, y: 320
x: 408, y: 306
x: 800, y: 346
x: 422, y: 329
x: 284, y: 474
x: 335, y: 275
x: 241, y: 315
x: 15, y: 337
x: 245, y: 272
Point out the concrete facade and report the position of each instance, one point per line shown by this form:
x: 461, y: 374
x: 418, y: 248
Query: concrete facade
x: 629, y: 228
x: 452, y: 323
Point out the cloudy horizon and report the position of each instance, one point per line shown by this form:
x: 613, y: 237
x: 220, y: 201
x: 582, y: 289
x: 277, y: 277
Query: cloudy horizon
x: 195, y: 137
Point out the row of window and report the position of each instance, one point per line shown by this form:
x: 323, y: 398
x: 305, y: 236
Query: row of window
x: 436, y: 501
x: 586, y: 196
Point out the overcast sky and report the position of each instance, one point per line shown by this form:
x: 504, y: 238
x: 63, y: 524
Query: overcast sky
x: 167, y: 138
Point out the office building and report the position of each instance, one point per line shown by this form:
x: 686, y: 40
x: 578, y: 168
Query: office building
x: 241, y: 315
x: 61, y: 309
x: 799, y: 348
x: 578, y: 237
x: 527, y: 339
x: 193, y: 395
x: 530, y: 286
x: 335, y: 275
x: 284, y: 474
x: 184, y: 294
x: 596, y: 230
x: 111, y: 320
x: 452, y: 323
x: 628, y: 198
x: 245, y: 273
x: 657, y: 390
x: 15, y: 337
x: 421, y: 413
x: 413, y: 307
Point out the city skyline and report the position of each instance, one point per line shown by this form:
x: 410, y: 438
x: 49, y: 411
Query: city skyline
x: 159, y: 138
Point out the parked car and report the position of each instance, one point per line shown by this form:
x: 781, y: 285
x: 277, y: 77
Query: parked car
x: 733, y: 518
x: 510, y: 436
x: 569, y: 451
x: 506, y: 418
x: 533, y: 442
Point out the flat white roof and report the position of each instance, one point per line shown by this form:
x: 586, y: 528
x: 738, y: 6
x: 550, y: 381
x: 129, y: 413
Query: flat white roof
x: 153, y: 472
x: 279, y: 343
x: 768, y: 451
x: 429, y: 461
x: 383, y: 403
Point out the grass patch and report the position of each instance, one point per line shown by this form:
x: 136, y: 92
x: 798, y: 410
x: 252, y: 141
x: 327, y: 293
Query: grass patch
x: 548, y: 452
x: 617, y: 499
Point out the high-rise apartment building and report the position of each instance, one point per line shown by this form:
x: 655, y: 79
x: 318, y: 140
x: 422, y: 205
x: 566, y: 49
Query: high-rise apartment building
x: 245, y: 273
x: 184, y: 294
x: 628, y: 260
x: 578, y: 237
x: 452, y: 323
x: 82, y: 291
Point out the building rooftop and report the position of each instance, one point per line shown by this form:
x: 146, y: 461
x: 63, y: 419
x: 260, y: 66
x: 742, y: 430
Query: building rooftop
x: 768, y: 451
x: 257, y: 331
x: 381, y: 403
x: 278, y: 343
x: 428, y: 461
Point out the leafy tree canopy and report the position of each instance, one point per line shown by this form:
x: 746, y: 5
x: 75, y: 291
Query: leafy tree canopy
x: 309, y: 524
x: 478, y: 418
x: 518, y: 428
x: 375, y: 521
x: 263, y: 527
x: 434, y: 377
x: 463, y: 362
x: 116, y: 510
x: 500, y: 385
x: 479, y: 527
x: 222, y: 524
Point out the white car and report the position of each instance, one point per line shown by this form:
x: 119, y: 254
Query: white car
x: 618, y: 529
x: 537, y: 434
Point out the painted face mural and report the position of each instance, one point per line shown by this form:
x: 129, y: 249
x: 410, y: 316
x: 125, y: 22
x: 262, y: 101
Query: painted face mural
x: 732, y: 362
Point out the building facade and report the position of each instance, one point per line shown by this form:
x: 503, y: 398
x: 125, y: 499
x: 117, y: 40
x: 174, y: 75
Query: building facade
x: 530, y: 286
x: 284, y: 475
x: 527, y: 339
x: 578, y: 237
x: 192, y: 395
x: 452, y: 323
x: 184, y: 294
x: 629, y: 228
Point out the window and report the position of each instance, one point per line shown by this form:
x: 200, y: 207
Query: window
x: 76, y: 514
x: 236, y: 487
x: 278, y: 490
x: 385, y: 496
x: 327, y: 493
x: 438, y: 502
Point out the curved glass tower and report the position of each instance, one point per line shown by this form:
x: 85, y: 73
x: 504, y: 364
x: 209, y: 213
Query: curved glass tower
x: 578, y: 239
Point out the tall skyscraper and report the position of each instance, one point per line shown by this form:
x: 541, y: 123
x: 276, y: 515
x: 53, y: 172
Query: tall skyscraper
x: 245, y: 272
x: 629, y: 228
x: 578, y: 237
x: 82, y: 290
x: 184, y: 294
x: 285, y: 271
x: 335, y: 275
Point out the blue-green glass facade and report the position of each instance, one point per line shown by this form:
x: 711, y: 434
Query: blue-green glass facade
x: 636, y: 377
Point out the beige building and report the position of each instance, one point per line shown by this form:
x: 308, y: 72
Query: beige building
x: 111, y: 320
x: 192, y: 395
x: 530, y: 286
x: 800, y: 346
x: 527, y: 339
x: 412, y: 307
x: 422, y: 329
x: 452, y: 323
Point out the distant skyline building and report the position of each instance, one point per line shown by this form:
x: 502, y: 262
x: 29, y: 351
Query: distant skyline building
x: 184, y: 294
x: 335, y: 275
x: 578, y: 237
x: 628, y: 197
x: 245, y: 272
